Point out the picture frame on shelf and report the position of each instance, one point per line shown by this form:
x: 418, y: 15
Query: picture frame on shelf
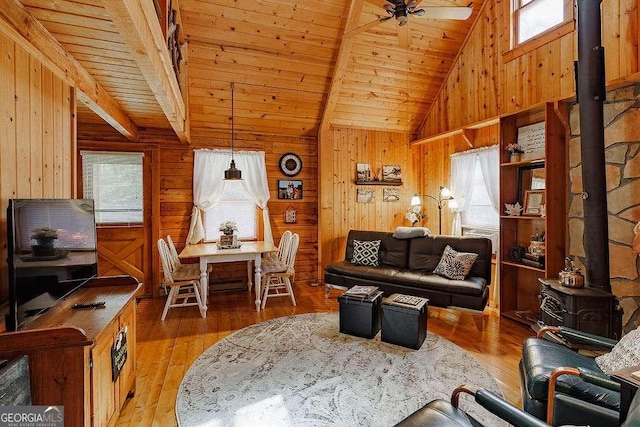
x: 391, y: 173
x: 290, y: 189
x: 365, y: 196
x: 363, y: 172
x: 533, y: 202
x: 532, y: 139
x: 390, y: 195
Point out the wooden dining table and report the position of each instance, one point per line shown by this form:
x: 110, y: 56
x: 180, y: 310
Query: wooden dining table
x: 210, y: 253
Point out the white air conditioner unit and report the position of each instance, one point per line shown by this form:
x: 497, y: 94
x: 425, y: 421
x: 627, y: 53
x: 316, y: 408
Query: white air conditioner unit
x: 489, y: 234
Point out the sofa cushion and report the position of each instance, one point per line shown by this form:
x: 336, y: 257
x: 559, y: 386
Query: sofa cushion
x: 393, y: 252
x: 471, y: 286
x: 366, y: 252
x: 625, y: 354
x: 455, y: 265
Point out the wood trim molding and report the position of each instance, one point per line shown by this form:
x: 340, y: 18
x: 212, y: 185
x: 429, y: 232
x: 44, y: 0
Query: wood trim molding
x: 137, y: 23
x: 17, y: 20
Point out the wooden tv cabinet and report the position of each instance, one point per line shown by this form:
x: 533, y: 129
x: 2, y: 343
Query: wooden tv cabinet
x: 69, y: 352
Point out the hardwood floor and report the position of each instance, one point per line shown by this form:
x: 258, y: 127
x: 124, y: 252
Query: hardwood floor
x: 167, y: 349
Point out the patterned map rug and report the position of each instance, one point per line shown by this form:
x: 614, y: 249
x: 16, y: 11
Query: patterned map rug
x: 300, y: 371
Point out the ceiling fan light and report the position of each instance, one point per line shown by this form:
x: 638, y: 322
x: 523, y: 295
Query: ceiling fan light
x: 232, y: 172
x: 402, y: 20
x: 419, y: 12
x: 389, y: 8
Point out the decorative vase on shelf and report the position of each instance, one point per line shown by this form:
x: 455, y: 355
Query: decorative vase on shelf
x: 537, y: 248
x: 515, y: 157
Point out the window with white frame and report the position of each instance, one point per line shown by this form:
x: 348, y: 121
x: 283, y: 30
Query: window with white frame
x: 235, y: 205
x: 115, y: 182
x: 534, y: 17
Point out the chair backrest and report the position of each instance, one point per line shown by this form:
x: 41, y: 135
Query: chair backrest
x: 283, y: 246
x: 290, y: 257
x: 175, y: 259
x: 165, y: 258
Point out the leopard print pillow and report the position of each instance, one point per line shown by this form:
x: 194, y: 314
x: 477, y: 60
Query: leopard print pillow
x: 455, y: 265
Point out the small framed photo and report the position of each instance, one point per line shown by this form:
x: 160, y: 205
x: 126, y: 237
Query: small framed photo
x: 390, y: 195
x: 290, y: 189
x: 391, y: 173
x: 290, y: 216
x: 533, y: 202
x: 363, y: 172
x: 365, y: 196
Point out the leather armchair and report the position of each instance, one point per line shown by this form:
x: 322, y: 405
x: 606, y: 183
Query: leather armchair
x: 582, y: 393
x: 441, y: 413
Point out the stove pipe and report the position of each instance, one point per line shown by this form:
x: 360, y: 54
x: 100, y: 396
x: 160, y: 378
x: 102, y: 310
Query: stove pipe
x: 591, y: 92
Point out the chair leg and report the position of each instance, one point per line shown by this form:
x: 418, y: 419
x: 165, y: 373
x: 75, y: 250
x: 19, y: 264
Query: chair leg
x: 170, y: 298
x: 289, y: 286
x: 196, y: 291
x: 266, y: 282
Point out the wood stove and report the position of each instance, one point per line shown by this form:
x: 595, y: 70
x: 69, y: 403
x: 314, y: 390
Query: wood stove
x: 587, y: 309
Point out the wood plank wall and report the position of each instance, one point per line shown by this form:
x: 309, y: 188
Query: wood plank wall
x: 37, y: 136
x: 339, y: 151
x: 172, y: 196
x: 488, y: 80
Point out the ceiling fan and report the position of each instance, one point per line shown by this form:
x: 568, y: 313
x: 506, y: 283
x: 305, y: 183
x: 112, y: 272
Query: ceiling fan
x: 401, y: 10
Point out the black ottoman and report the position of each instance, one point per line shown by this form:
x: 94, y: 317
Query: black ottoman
x: 360, y: 316
x: 404, y: 320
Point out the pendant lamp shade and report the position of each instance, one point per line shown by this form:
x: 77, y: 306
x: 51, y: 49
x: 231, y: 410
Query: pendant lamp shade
x: 232, y: 172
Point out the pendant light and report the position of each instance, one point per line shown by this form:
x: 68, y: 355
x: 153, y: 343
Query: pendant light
x: 232, y: 172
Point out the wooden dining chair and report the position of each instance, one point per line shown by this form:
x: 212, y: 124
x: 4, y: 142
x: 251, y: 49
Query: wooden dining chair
x: 278, y: 277
x: 271, y: 258
x: 183, y: 284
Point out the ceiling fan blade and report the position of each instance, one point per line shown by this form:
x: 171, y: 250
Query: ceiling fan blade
x: 444, y: 12
x: 404, y: 36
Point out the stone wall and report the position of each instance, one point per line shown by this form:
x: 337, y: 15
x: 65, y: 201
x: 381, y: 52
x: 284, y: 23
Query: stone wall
x: 622, y: 157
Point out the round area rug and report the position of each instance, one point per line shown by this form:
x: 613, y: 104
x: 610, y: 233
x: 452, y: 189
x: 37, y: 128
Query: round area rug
x: 300, y: 371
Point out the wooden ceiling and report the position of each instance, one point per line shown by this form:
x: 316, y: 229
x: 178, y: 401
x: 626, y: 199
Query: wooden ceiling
x: 294, y: 69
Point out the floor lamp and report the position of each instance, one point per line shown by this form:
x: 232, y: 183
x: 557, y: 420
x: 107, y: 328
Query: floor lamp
x: 445, y: 194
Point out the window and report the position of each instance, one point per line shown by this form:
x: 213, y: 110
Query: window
x: 114, y: 182
x: 534, y: 17
x: 481, y: 213
x: 235, y: 205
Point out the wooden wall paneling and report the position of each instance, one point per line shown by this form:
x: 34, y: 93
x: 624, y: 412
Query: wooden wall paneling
x: 35, y: 119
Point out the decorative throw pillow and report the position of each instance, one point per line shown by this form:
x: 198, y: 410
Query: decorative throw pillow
x: 410, y: 232
x: 366, y: 252
x: 455, y: 265
x: 625, y: 354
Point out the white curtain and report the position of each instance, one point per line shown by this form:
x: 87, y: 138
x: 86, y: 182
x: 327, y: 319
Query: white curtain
x: 489, y: 160
x: 463, y: 167
x: 208, y: 173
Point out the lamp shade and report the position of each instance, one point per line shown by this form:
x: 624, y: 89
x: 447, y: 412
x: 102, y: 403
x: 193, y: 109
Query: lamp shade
x: 232, y: 172
x: 415, y: 200
x: 445, y: 193
x: 453, y: 204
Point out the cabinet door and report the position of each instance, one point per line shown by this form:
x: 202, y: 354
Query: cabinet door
x: 103, y: 392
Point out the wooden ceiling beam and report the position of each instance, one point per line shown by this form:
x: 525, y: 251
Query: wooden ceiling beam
x: 19, y: 21
x: 342, y: 61
x: 138, y: 24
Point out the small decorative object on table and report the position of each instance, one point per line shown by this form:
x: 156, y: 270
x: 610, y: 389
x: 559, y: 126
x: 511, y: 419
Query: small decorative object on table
x: 513, y: 209
x: 45, y: 237
x: 570, y: 276
x: 228, y: 239
x: 515, y: 152
x: 414, y: 215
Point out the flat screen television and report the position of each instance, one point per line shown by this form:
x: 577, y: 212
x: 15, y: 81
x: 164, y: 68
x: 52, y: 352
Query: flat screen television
x: 39, y: 279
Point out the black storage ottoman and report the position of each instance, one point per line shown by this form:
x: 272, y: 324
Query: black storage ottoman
x: 360, y: 316
x: 404, y: 320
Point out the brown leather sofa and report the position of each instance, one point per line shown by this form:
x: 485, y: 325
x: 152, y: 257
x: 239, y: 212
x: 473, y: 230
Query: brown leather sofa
x: 406, y: 267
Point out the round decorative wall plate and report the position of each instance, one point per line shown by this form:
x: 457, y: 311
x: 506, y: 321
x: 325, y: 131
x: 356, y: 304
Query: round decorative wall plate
x: 290, y: 164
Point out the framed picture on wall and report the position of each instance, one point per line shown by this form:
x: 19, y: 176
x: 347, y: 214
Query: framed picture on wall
x: 390, y: 195
x: 391, y: 173
x: 365, y: 196
x: 290, y: 189
x: 363, y: 172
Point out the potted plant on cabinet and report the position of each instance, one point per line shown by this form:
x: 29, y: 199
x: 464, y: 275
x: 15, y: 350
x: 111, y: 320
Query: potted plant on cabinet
x: 228, y: 238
